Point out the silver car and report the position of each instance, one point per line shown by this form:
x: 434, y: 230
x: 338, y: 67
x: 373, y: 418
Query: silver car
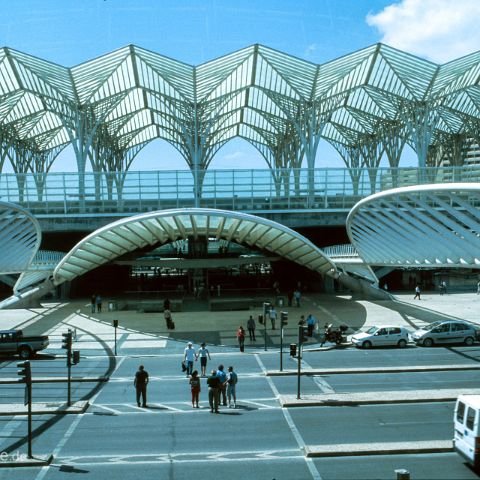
x: 448, y: 331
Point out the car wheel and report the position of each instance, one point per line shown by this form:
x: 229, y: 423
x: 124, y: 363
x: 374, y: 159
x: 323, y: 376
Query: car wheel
x: 366, y: 344
x: 428, y: 342
x: 402, y: 343
x: 469, y: 341
x: 25, y: 352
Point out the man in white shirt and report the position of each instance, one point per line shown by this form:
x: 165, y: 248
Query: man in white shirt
x: 189, y: 358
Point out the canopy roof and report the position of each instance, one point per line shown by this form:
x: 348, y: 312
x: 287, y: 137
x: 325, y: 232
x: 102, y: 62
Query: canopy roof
x: 420, y: 226
x: 167, y: 226
x: 133, y: 95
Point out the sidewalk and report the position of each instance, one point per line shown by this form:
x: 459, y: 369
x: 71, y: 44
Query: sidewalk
x: 377, y: 397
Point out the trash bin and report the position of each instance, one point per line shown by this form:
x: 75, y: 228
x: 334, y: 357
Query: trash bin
x: 112, y: 306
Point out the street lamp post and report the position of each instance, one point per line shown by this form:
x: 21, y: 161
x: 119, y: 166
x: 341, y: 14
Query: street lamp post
x: 115, y: 326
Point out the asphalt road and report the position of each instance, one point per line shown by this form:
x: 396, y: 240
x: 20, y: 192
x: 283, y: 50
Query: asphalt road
x: 170, y: 440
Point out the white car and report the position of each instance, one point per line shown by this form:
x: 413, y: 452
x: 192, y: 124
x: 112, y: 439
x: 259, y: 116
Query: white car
x: 385, y: 335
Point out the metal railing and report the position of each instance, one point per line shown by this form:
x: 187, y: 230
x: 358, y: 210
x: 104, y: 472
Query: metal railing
x: 245, y: 190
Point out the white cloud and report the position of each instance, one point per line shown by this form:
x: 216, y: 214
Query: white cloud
x: 310, y: 50
x: 439, y: 30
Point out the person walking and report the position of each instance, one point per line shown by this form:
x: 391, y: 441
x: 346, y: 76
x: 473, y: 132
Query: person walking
x: 140, y: 383
x: 189, y: 358
x: 311, y: 322
x: 98, y: 301
x: 168, y: 319
x: 301, y: 322
x: 251, y: 328
x: 222, y: 376
x: 195, y: 388
x: 213, y: 383
x: 93, y: 301
x: 166, y: 304
x: 297, y: 295
x: 232, y: 380
x: 417, y: 292
x: 241, y: 338
x: 273, y: 316
x: 203, y: 353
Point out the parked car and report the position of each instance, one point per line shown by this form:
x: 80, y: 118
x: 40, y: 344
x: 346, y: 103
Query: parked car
x: 447, y: 331
x: 14, y: 342
x: 384, y: 335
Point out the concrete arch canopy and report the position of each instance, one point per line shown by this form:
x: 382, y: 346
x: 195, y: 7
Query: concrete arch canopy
x: 156, y: 228
x: 420, y: 226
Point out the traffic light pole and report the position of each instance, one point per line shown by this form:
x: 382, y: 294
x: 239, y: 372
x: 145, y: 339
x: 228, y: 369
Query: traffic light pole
x: 299, y: 369
x: 29, y: 393
x: 281, y: 348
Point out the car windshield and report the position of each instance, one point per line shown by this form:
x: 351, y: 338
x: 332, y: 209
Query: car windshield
x: 430, y: 327
x: 372, y: 330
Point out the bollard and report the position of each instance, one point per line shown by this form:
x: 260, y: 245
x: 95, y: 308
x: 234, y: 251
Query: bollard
x: 402, y: 474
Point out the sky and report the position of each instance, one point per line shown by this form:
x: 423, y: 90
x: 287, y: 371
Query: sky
x: 69, y: 32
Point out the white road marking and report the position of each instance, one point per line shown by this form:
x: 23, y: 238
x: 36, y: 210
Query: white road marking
x: 322, y: 384
x: 293, y: 428
x: 68, y: 434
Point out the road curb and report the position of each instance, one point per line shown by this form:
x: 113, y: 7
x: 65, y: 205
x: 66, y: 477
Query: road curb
x: 14, y: 461
x: 366, y: 449
x: 352, y: 371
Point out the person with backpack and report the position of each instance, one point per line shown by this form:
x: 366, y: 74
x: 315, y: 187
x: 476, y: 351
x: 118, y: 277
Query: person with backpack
x: 232, y: 380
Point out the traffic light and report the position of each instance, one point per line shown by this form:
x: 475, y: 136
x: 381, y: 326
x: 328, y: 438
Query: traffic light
x: 302, y: 334
x: 284, y: 318
x: 25, y: 372
x: 293, y: 349
x: 115, y: 323
x: 76, y: 357
x: 67, y: 340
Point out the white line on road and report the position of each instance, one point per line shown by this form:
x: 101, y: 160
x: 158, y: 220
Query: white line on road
x: 310, y: 464
x: 322, y: 384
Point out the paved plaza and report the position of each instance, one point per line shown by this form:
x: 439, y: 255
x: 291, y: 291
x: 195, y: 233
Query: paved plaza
x: 362, y: 415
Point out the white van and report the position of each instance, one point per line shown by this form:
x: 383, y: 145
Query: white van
x: 466, y: 439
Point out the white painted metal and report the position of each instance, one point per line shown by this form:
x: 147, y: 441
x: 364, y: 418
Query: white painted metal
x: 420, y: 226
x: 20, y: 237
x: 155, y: 228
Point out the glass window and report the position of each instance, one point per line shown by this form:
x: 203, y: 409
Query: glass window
x: 442, y: 328
x: 470, y: 418
x: 394, y: 331
x: 382, y: 331
x: 460, y: 412
x: 459, y: 327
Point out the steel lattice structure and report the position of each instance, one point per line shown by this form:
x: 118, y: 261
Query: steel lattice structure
x: 423, y: 226
x: 366, y: 104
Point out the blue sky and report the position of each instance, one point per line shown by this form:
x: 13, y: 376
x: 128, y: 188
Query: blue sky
x: 195, y: 31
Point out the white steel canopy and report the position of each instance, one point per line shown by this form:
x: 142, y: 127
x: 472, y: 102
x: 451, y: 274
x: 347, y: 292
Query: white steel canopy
x: 20, y: 237
x: 156, y: 228
x: 420, y: 226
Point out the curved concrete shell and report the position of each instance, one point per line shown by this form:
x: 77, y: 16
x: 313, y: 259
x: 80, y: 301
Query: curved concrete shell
x: 20, y: 237
x: 420, y: 226
x: 156, y: 228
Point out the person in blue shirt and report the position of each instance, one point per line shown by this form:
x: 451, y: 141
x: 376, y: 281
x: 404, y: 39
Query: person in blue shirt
x: 222, y: 376
x: 311, y: 322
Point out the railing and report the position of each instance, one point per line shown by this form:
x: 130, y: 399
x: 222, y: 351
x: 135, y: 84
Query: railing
x: 244, y: 190
x: 341, y: 251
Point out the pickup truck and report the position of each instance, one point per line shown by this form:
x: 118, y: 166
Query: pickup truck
x: 14, y: 342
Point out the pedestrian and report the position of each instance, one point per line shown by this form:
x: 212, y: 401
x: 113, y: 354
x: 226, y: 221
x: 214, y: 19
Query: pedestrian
x: 218, y: 290
x: 140, y: 383
x: 195, y: 388
x: 301, y: 322
x: 189, y: 358
x: 222, y: 376
x: 203, y: 353
x: 166, y: 304
x: 251, y: 328
x: 478, y: 288
x: 241, y: 338
x: 168, y: 319
x: 232, y: 380
x: 417, y: 292
x: 273, y: 316
x: 444, y: 287
x: 311, y: 322
x: 98, y: 301
x: 297, y: 295
x: 213, y: 383
x: 290, y: 298
x: 93, y: 301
